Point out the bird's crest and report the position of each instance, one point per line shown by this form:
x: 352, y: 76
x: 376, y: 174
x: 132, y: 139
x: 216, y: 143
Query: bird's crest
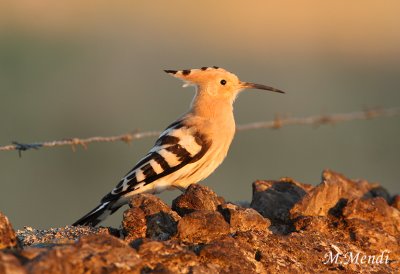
x: 216, y: 80
x: 187, y: 72
x: 201, y: 75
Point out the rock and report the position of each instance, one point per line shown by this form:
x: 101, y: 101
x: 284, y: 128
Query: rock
x: 267, y: 195
x: 340, y: 216
x: 373, y: 239
x: 30, y: 252
x: 206, y: 268
x: 243, y: 219
x: 396, y: 202
x: 378, y: 192
x: 370, y: 224
x: 322, y: 224
x: 53, y: 236
x: 202, y: 227
x: 231, y: 256
x: 7, y: 233
x: 330, y: 196
x: 9, y: 264
x: 91, y: 254
x: 375, y: 211
x: 150, y: 215
x: 196, y: 197
x: 275, y: 253
x: 134, y: 224
x: 161, y: 226
x: 150, y: 205
x: 167, y: 257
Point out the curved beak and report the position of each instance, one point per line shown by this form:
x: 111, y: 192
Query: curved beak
x: 259, y: 86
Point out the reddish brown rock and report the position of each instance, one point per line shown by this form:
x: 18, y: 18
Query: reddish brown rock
x: 134, y: 224
x: 150, y: 204
x: 322, y: 224
x: 196, y: 197
x: 206, y: 268
x: 332, y: 194
x: 370, y: 224
x: 232, y: 256
x: 375, y: 211
x: 156, y: 219
x: 274, y: 199
x: 9, y: 264
x: 30, y: 253
x: 91, y: 254
x: 227, y: 238
x: 202, y: 227
x: 275, y: 253
x: 167, y: 257
x: 373, y: 239
x: 7, y: 233
x: 396, y: 202
x: 62, y: 235
x: 243, y: 219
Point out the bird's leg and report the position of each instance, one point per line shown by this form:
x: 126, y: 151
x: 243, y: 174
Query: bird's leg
x: 181, y: 188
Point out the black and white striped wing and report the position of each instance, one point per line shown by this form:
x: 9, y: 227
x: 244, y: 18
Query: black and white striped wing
x: 176, y: 147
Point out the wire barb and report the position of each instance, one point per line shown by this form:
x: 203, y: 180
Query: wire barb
x: 23, y: 147
x: 277, y: 123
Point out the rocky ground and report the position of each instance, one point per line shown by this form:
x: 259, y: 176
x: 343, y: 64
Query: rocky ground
x: 338, y: 226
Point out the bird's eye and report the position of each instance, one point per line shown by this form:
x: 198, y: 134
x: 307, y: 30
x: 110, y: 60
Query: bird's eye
x: 223, y: 82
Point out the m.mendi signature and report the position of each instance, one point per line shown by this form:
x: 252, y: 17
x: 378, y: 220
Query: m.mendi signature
x: 338, y: 257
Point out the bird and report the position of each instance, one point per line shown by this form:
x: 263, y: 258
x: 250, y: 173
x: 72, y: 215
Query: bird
x: 189, y: 149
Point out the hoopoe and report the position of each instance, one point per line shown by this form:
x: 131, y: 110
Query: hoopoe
x: 189, y: 149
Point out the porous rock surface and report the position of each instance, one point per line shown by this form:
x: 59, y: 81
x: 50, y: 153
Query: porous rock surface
x: 338, y: 226
x: 7, y: 234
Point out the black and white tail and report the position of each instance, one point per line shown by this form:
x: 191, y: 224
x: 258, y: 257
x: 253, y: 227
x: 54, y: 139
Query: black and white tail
x: 98, y: 214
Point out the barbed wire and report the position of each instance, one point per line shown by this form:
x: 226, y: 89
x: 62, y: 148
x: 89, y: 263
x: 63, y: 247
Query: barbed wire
x: 278, y: 122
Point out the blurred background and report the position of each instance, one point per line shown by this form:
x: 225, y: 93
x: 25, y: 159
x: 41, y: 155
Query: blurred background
x: 88, y: 68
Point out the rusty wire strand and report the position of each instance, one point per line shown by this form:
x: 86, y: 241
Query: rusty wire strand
x: 277, y: 123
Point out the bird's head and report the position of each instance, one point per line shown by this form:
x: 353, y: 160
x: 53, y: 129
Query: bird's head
x: 215, y: 81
